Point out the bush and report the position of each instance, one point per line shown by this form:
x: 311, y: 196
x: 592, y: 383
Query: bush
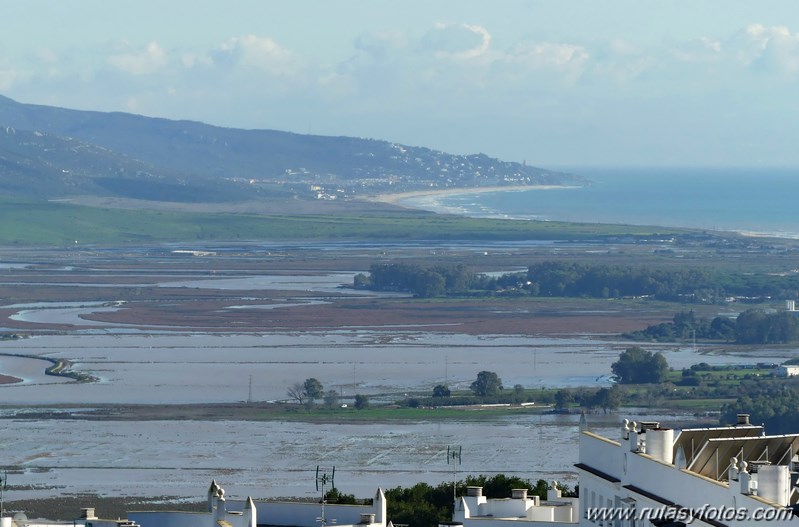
x: 361, y: 402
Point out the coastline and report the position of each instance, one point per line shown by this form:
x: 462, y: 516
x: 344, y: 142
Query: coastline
x: 395, y: 199
x: 436, y: 200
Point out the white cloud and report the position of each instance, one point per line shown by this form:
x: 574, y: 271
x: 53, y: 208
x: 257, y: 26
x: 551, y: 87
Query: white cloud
x: 765, y: 48
x: 143, y: 62
x: 7, y: 78
x: 779, y: 49
x: 701, y: 49
x: 192, y: 60
x: 551, y: 55
x: 457, y: 41
x: 261, y: 53
x: 381, y: 44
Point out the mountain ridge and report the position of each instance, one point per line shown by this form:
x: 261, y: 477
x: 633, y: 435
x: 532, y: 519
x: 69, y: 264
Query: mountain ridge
x: 52, y: 152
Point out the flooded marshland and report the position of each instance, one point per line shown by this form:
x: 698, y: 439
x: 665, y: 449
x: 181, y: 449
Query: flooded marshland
x: 167, y: 330
x: 278, y: 459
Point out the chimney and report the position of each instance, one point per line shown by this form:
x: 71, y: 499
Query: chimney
x: 474, y: 491
x: 660, y: 444
x: 518, y: 494
x: 87, y: 514
x: 743, y: 420
x: 367, y: 519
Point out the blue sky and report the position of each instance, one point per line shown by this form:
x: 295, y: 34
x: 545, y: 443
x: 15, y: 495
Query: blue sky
x: 554, y: 83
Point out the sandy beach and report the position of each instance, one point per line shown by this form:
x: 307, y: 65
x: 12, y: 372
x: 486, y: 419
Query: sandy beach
x: 402, y: 196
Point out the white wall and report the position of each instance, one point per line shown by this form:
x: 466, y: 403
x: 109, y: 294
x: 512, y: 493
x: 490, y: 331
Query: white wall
x: 495, y: 522
x: 305, y: 514
x: 601, y: 453
x: 663, y: 480
x: 172, y: 519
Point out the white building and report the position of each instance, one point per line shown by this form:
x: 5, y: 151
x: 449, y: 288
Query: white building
x: 475, y: 510
x: 726, y: 476
x: 249, y: 513
x: 87, y: 519
x: 786, y: 370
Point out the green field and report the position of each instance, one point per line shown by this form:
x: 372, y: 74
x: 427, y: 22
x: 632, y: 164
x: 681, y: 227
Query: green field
x: 61, y: 224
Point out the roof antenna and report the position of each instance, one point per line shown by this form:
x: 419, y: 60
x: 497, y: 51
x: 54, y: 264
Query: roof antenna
x: 454, y: 458
x: 323, y: 479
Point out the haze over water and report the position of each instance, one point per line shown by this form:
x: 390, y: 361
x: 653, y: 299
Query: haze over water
x: 752, y: 201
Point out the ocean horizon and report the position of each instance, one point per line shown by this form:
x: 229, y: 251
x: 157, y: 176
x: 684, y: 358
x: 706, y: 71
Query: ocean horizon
x: 752, y: 201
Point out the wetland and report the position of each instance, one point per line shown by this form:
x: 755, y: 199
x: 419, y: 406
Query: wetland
x: 191, y: 348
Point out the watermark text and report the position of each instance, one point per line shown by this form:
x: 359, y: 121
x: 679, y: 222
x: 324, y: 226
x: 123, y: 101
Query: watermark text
x: 687, y: 514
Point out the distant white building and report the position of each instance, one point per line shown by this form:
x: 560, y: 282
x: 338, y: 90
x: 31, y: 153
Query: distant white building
x: 786, y: 370
x: 475, y: 510
x: 249, y: 513
x: 726, y: 476
x: 87, y: 519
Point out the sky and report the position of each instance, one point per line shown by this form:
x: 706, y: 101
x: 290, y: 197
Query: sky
x: 549, y: 82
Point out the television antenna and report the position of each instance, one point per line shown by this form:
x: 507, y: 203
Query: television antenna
x: 249, y: 394
x: 3, y: 488
x: 322, y: 479
x: 454, y: 458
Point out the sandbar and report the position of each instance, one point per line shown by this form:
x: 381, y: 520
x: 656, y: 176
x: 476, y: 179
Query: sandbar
x: 400, y: 196
x: 9, y: 379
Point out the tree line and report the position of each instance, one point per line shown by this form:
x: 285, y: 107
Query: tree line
x: 307, y: 393
x: 774, y: 405
x: 424, y: 505
x: 571, y: 279
x: 753, y: 326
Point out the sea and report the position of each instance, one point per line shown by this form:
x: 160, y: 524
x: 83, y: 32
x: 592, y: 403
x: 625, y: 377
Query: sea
x: 752, y: 201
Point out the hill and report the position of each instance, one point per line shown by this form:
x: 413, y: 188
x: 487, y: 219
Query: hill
x: 48, y: 152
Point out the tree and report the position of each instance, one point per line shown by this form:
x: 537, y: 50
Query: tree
x: 562, y: 399
x: 607, y: 398
x: 361, y: 402
x: 487, y: 384
x: 441, y: 390
x: 638, y: 366
x: 361, y: 281
x: 297, y: 392
x: 331, y: 398
x: 313, y: 389
x: 335, y: 496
